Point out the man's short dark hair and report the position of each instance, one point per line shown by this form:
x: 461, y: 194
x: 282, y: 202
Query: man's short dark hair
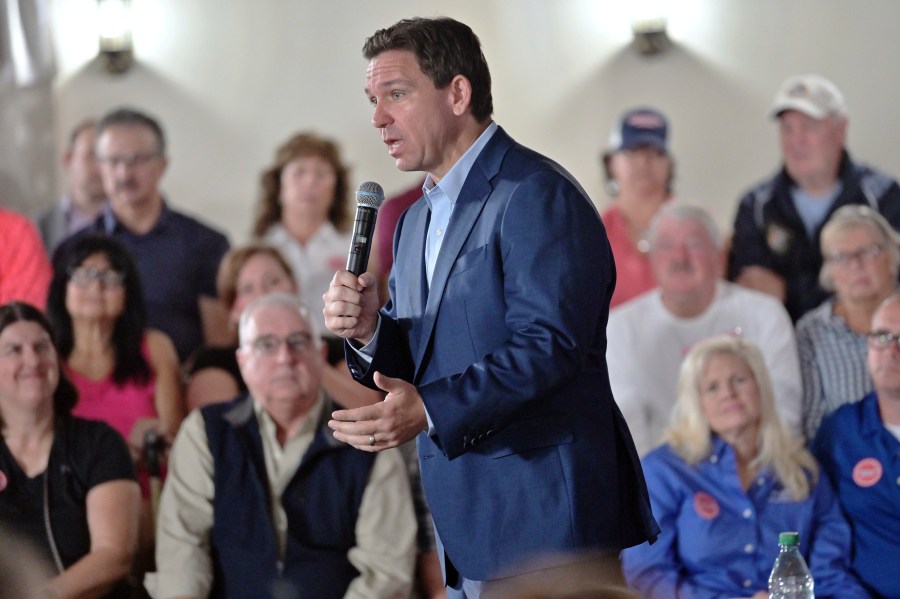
x: 444, y: 48
x: 128, y: 117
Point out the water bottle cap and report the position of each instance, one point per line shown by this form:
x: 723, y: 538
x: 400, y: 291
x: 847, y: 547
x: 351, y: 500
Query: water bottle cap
x: 789, y: 538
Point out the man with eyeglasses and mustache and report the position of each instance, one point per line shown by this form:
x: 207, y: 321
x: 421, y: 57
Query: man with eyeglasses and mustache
x: 176, y: 255
x: 858, y: 447
x: 650, y: 334
x: 262, y: 501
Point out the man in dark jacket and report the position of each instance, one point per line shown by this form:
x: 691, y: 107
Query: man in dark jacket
x: 775, y: 248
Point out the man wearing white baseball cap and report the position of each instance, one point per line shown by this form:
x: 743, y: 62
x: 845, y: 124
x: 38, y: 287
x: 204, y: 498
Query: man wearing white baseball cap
x: 775, y: 247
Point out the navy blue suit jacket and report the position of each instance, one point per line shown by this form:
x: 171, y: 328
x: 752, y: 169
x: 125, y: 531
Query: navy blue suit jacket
x: 530, y: 454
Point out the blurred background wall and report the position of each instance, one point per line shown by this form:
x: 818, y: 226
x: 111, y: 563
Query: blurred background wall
x: 232, y: 79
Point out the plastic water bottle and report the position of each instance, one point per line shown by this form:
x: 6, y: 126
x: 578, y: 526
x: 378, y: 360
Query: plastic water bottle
x: 790, y: 578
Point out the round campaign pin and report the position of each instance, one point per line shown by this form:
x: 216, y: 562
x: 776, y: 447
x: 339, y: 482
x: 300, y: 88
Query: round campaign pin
x: 3, y: 480
x: 705, y: 505
x: 867, y: 472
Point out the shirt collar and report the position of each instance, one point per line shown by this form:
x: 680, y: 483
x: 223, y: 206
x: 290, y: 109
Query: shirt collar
x: 453, y: 181
x: 111, y: 224
x: 871, y: 416
x: 267, y: 425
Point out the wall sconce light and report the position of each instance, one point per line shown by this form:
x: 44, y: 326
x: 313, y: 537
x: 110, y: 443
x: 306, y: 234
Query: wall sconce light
x: 650, y: 36
x: 116, y: 48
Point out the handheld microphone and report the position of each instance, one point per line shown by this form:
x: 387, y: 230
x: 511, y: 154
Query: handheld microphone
x: 369, y: 197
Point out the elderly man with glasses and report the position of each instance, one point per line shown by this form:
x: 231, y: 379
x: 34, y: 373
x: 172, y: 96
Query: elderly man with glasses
x: 262, y: 501
x: 858, y: 447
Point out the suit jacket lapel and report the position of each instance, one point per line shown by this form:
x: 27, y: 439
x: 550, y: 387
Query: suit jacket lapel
x: 417, y: 226
x: 475, y: 192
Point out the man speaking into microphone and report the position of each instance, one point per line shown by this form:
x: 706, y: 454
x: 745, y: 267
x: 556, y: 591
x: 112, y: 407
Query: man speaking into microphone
x: 492, y: 346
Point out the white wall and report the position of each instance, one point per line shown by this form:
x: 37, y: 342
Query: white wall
x: 231, y: 79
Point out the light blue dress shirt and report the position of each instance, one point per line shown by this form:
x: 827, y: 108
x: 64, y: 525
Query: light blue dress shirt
x: 441, y: 199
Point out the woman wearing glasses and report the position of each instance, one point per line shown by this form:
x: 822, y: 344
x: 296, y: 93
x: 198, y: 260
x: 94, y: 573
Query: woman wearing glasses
x: 861, y: 265
x: 126, y: 374
x: 66, y: 484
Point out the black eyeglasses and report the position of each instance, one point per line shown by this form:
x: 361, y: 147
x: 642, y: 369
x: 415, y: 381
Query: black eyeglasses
x: 268, y: 345
x: 129, y: 160
x: 83, y: 275
x: 845, y: 259
x: 882, y: 339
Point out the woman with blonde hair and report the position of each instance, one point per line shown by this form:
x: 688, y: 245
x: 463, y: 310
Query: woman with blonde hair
x: 728, y: 479
x: 861, y: 253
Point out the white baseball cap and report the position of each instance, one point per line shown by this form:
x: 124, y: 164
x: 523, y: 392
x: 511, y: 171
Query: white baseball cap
x: 813, y: 95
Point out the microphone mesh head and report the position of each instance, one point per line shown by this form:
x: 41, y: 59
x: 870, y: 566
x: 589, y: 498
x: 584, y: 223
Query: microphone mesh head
x: 370, y: 194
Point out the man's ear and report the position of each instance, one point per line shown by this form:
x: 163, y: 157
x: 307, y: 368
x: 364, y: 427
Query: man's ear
x: 460, y: 94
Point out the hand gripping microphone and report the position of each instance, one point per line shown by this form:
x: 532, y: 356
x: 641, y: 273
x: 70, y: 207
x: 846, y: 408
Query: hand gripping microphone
x: 369, y: 197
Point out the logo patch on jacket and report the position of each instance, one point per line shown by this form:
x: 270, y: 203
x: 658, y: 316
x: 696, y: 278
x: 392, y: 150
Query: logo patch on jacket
x: 778, y: 239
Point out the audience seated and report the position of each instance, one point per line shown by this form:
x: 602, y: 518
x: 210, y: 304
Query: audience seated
x: 126, y: 374
x: 727, y: 481
x: 84, y: 197
x: 639, y: 172
x: 245, y: 274
x: 66, y: 484
x: 775, y: 247
x: 262, y: 501
x: 649, y: 336
x: 24, y: 269
x: 862, y: 263
x: 304, y: 212
x: 176, y: 255
x: 859, y: 449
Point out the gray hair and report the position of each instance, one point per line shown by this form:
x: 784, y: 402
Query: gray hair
x: 281, y: 300
x: 685, y: 213
x: 855, y: 216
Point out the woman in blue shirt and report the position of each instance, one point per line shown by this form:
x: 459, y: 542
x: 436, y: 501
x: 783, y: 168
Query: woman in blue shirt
x: 728, y: 479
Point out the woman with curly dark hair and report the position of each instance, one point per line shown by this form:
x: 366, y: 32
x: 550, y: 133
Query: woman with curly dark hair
x: 66, y: 484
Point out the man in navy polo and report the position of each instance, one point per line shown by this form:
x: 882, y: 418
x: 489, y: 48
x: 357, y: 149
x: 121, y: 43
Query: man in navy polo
x: 176, y: 255
x: 859, y: 449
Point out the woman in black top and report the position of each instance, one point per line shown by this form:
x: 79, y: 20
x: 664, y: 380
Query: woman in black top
x: 66, y: 484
